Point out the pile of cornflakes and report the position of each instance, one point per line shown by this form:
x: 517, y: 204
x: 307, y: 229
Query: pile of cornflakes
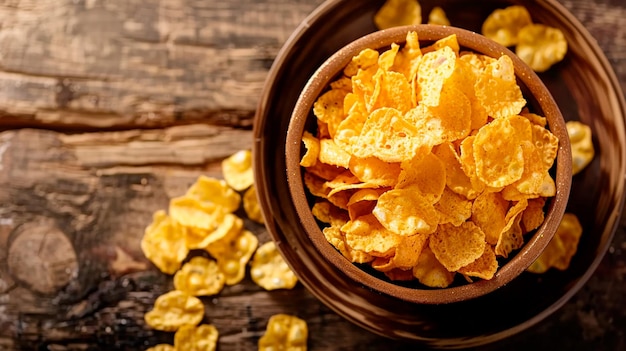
x: 204, y: 219
x: 426, y: 163
x: 539, y: 45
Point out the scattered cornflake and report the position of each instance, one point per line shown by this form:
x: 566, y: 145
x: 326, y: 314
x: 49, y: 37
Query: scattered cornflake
x: 201, y: 338
x: 162, y: 347
x: 269, y: 270
x: 582, y: 145
x: 199, y: 277
x: 284, y: 332
x: 561, y: 248
x: 395, y: 13
x: 203, y: 218
x: 237, y: 170
x: 503, y: 25
x: 538, y: 45
x: 438, y: 16
x: 173, y: 310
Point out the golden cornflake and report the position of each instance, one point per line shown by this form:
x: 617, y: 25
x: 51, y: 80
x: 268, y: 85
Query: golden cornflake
x: 435, y: 67
x: 331, y: 154
x: 533, y: 215
x: 164, y: 243
x: 368, y: 235
x: 229, y: 226
x: 396, y: 13
x: 498, y: 153
x: 430, y: 164
x: 374, y: 171
x: 456, y: 247
x: 427, y: 175
x: 503, y: 25
x: 363, y: 61
x: 582, y: 145
x: 201, y: 338
x: 450, y: 120
x: 541, y: 46
x: 362, y: 202
x: 453, y: 208
x: 312, y: 146
x: 197, y: 215
x: 484, y: 267
x: 489, y: 214
x: 511, y: 236
x: 388, y: 136
x: 214, y: 192
x: 497, y: 90
x: 328, y: 213
x: 251, y: 205
x: 456, y: 179
x: 237, y: 170
x: 269, y: 270
x: 174, y: 309
x: 337, y: 238
x: 408, y: 251
x: 199, y: 277
x: 284, y: 332
x: 406, y: 211
x: 233, y: 254
x: 329, y: 108
x: 430, y: 272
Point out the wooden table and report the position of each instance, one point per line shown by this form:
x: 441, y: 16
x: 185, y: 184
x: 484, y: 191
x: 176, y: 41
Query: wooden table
x: 110, y: 108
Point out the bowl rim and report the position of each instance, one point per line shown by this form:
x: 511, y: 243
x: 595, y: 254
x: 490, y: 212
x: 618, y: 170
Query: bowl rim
x: 467, y: 40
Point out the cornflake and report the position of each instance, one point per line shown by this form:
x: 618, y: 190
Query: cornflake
x: 174, y: 310
x: 201, y: 338
x: 396, y: 13
x: 269, y: 270
x: 582, y: 145
x: 284, y: 332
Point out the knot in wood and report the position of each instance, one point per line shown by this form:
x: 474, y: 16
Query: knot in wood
x: 41, y: 257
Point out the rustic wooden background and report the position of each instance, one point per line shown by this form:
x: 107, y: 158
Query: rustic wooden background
x: 109, y: 108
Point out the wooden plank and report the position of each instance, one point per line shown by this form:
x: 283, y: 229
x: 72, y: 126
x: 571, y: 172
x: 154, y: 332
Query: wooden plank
x: 119, y: 63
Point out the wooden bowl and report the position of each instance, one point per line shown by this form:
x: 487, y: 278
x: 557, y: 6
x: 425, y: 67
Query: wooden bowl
x: 538, y: 99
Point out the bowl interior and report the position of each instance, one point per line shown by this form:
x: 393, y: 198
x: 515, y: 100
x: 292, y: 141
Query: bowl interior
x: 539, y: 101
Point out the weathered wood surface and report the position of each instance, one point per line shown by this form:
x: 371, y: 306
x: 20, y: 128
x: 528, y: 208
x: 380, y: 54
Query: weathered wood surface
x: 138, y: 63
x: 131, y: 101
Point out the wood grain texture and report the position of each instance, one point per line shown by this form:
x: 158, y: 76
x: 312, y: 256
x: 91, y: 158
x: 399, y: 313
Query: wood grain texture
x: 117, y: 64
x: 110, y: 108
